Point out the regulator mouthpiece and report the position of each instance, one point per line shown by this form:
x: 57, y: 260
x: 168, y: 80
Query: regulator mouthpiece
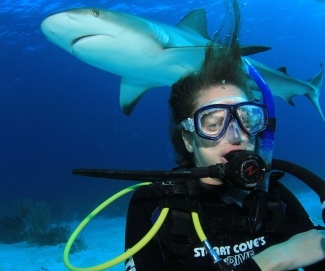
x: 245, y: 169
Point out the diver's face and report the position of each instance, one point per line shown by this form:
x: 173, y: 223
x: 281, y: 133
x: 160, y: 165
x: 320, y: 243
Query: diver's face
x: 208, y: 152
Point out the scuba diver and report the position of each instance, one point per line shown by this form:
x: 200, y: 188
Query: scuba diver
x: 222, y: 208
x: 250, y: 226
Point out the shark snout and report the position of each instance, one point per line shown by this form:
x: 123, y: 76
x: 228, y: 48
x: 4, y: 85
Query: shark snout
x: 62, y: 29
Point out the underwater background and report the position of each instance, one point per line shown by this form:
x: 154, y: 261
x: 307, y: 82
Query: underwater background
x: 58, y: 113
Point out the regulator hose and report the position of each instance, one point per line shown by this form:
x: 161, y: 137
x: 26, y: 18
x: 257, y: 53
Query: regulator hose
x: 309, y: 178
x: 126, y: 254
x: 153, y: 231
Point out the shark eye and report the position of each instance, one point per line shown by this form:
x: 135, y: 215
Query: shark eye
x: 96, y: 13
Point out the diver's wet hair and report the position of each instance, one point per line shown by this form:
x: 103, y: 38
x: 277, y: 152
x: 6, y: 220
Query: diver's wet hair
x: 222, y: 64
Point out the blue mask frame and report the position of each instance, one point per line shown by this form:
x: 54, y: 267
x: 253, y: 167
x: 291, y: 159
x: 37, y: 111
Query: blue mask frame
x: 194, y: 124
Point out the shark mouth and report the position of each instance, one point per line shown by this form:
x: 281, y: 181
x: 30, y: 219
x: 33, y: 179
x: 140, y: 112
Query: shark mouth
x: 90, y: 36
x: 80, y: 38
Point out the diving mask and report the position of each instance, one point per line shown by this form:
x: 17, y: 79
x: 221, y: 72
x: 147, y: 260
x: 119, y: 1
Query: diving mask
x: 212, y: 121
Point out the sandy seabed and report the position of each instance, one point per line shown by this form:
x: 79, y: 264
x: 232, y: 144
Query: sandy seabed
x: 104, y: 238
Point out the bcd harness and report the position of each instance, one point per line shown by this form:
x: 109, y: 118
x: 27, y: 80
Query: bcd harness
x: 182, y: 197
x: 262, y: 212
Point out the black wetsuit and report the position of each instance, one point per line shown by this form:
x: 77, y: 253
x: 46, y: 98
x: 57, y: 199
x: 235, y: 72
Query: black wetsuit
x: 177, y: 246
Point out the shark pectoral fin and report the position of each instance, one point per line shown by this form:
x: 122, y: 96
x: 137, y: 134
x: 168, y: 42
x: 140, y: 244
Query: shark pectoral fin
x: 131, y: 91
x: 252, y: 50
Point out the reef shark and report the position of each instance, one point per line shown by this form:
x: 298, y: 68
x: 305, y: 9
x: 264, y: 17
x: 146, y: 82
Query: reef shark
x: 149, y: 54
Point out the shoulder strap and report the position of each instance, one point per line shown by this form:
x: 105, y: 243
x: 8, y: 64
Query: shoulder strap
x: 180, y: 194
x: 176, y: 237
x: 177, y: 233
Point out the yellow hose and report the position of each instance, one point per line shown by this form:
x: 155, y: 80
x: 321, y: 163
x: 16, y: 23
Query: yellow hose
x: 197, y: 226
x: 132, y: 250
x: 126, y: 254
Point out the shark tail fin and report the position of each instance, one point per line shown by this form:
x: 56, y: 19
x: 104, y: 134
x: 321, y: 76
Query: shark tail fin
x: 316, y: 83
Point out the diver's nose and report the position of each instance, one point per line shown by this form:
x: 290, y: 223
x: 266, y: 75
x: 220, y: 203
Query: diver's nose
x: 233, y: 133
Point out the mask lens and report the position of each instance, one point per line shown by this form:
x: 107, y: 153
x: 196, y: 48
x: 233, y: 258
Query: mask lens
x: 252, y: 118
x: 212, y: 121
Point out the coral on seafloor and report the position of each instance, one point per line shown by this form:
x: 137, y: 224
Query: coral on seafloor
x: 33, y: 224
x: 12, y: 229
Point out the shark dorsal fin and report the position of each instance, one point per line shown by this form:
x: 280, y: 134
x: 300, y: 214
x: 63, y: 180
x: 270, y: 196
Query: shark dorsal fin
x: 195, y: 22
x: 283, y: 69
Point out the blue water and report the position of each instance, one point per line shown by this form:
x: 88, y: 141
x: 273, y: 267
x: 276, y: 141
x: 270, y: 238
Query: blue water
x: 58, y: 113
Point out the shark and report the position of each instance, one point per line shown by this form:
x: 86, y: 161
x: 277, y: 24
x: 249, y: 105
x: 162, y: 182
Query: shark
x: 148, y: 54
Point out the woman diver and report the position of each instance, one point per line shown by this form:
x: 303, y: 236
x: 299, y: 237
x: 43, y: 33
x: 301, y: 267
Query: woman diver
x: 213, y: 115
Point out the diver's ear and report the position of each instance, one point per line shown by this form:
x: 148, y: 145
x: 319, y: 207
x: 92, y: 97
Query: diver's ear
x: 187, y: 138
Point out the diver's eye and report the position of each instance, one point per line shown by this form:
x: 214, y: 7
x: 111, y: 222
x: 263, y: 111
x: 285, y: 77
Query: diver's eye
x: 96, y: 13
